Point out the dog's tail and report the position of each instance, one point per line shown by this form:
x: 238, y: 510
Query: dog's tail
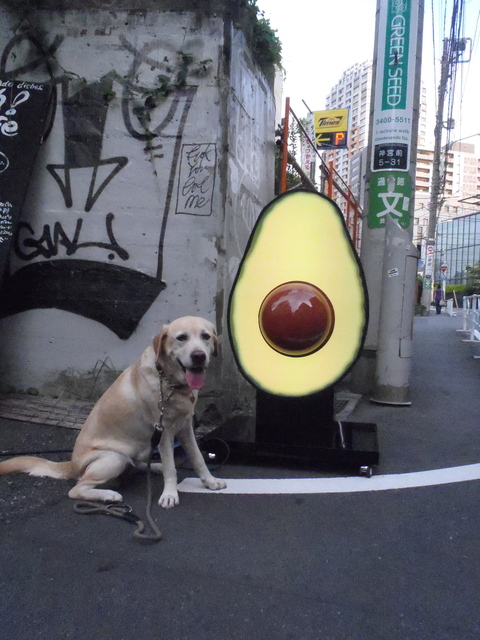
x: 38, y: 467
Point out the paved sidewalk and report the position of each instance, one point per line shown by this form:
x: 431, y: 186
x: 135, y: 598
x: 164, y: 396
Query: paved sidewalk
x: 441, y: 428
x: 397, y: 564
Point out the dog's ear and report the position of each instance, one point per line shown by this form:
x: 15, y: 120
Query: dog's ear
x: 159, y: 342
x: 216, y: 342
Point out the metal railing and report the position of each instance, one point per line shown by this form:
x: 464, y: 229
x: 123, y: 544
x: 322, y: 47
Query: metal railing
x: 471, y: 319
x: 450, y: 309
x: 333, y: 184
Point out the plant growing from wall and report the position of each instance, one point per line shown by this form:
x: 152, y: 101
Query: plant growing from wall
x: 174, y: 78
x: 293, y: 179
x: 262, y: 39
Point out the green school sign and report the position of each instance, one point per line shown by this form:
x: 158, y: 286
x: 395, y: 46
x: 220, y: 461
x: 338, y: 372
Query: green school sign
x: 390, y: 193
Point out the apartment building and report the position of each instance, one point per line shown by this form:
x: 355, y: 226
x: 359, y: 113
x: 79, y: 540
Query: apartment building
x: 351, y: 92
x: 461, y: 164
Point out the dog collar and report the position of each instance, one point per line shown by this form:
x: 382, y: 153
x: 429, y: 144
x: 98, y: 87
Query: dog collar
x: 172, y: 382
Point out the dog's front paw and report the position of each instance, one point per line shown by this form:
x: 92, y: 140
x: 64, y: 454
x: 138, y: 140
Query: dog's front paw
x: 111, y: 496
x: 215, y: 484
x: 169, y: 499
x: 79, y: 492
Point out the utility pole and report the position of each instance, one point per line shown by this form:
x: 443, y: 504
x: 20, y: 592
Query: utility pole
x: 437, y: 180
x: 384, y: 365
x: 453, y: 48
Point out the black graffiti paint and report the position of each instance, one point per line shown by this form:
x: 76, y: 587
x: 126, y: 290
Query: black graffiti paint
x: 113, y: 295
x: 48, y: 243
x: 116, y: 296
x: 84, y: 117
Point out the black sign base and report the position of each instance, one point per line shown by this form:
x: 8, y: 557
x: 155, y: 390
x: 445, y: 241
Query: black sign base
x: 303, y: 430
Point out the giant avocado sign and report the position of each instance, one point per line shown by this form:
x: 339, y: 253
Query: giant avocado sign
x: 298, y: 307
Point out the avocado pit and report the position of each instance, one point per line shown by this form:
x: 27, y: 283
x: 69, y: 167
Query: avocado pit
x: 296, y: 319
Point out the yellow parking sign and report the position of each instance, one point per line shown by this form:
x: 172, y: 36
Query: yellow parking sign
x: 331, y: 127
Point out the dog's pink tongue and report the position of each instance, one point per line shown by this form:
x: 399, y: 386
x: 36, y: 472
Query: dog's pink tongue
x: 195, y: 379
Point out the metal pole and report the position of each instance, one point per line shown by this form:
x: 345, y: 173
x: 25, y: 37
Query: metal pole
x: 347, y: 216
x: 436, y: 186
x: 356, y: 216
x: 330, y: 180
x: 283, y: 166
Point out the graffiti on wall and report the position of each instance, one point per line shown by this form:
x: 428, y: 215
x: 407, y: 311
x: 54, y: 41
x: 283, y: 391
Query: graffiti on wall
x: 47, y: 245
x: 84, y: 116
x: 53, y: 273
x: 6, y: 221
x: 247, y: 152
x: 23, y: 111
x: 197, y: 179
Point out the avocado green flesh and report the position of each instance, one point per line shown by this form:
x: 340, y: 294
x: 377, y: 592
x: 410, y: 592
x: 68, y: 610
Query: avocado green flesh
x: 301, y: 237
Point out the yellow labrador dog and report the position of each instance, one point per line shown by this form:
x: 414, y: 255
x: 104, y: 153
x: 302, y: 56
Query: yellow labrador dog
x: 159, y: 389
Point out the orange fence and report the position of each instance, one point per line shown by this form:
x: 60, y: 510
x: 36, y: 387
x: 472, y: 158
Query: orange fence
x: 332, y: 184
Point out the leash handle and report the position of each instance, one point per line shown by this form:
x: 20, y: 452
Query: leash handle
x: 117, y: 509
x: 124, y: 512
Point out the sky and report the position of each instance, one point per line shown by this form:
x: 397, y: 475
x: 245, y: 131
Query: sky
x: 322, y: 38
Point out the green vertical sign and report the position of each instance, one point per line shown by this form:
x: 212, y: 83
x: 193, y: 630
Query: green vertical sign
x: 395, y: 62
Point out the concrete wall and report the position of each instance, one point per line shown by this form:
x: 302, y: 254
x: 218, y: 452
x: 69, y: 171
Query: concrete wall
x: 251, y: 152
x: 140, y: 205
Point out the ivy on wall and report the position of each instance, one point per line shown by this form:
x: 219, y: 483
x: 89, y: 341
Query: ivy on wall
x: 262, y: 39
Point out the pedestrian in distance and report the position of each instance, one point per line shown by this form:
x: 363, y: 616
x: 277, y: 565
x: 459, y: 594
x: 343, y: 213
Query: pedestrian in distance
x: 437, y: 299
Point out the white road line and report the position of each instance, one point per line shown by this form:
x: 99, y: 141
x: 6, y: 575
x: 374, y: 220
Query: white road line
x: 339, y: 485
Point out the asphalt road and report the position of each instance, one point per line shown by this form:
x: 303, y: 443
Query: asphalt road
x: 400, y: 564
